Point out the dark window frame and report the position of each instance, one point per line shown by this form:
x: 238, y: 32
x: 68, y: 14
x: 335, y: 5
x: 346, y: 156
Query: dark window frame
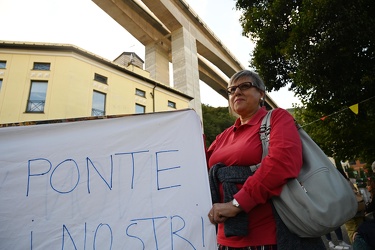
x: 100, y: 78
x: 141, y: 106
x: 171, y: 104
x: 36, y: 106
x: 98, y: 112
x: 140, y: 92
x: 42, y: 66
x: 3, y: 64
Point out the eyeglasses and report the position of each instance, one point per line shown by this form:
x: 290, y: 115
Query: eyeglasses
x: 243, y: 86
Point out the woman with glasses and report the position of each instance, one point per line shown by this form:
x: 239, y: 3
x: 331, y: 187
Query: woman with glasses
x: 242, y: 207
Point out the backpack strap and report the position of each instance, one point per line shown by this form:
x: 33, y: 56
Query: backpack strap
x: 264, y: 132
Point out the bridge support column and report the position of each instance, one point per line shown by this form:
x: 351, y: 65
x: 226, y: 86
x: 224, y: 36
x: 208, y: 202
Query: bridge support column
x: 185, y: 66
x: 157, y: 63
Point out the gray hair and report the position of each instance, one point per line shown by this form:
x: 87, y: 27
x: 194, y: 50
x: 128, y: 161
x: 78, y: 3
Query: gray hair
x: 258, y: 82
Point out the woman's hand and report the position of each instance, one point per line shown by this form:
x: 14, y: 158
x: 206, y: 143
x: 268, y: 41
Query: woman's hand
x: 220, y: 212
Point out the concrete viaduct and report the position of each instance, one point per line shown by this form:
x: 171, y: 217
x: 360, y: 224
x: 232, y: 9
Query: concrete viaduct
x: 172, y: 32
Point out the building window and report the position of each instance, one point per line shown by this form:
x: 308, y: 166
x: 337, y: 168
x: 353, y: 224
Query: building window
x: 1, y: 83
x: 171, y: 104
x: 98, y: 104
x: 37, y: 97
x: 41, y: 66
x: 3, y: 64
x: 100, y: 78
x: 139, y: 109
x: 140, y: 92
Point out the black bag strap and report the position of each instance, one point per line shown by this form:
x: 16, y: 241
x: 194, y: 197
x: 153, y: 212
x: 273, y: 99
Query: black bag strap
x: 264, y: 132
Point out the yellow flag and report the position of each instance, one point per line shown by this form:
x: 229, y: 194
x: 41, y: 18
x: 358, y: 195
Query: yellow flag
x: 354, y: 108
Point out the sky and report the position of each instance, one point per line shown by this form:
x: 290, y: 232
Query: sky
x: 82, y: 23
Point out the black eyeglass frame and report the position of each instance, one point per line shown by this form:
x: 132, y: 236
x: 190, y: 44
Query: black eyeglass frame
x: 243, y: 86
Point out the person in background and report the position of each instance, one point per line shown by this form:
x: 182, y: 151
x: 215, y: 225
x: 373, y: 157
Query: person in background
x: 353, y: 224
x: 342, y: 244
x: 241, y: 196
x: 364, y: 237
x: 370, y: 206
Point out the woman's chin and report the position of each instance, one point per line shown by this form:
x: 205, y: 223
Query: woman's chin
x: 239, y: 111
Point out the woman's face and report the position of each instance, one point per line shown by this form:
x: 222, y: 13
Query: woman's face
x: 245, y: 102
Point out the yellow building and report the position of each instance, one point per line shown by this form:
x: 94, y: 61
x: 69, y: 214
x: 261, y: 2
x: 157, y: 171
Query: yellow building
x: 40, y: 81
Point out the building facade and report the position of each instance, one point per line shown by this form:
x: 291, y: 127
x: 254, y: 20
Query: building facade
x: 43, y: 81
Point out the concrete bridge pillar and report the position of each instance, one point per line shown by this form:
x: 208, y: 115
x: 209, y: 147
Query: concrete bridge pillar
x: 185, y: 66
x: 157, y: 62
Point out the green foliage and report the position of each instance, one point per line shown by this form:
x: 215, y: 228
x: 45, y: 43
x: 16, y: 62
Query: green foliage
x: 215, y: 121
x: 325, y: 51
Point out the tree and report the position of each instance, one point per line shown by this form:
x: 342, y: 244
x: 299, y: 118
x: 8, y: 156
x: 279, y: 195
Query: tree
x: 324, y: 50
x: 215, y: 121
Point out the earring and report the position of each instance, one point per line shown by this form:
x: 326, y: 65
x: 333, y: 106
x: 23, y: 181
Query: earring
x: 261, y: 99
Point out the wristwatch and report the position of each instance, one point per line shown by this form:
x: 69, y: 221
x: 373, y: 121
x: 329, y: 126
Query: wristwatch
x: 235, y: 203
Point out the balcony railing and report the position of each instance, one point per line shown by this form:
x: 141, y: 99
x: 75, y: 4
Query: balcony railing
x: 97, y: 112
x: 34, y: 106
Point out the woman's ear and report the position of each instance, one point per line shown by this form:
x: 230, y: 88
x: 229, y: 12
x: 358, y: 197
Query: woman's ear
x: 262, y: 97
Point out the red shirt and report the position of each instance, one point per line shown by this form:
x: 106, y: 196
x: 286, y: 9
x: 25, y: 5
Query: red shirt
x: 240, y: 145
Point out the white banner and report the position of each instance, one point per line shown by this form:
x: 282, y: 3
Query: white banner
x: 136, y: 182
